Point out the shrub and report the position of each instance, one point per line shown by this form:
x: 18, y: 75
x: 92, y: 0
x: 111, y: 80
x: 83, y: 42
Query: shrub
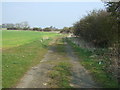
x: 98, y: 27
x: 37, y: 29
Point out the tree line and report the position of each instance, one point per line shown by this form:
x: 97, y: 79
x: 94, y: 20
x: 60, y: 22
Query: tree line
x: 25, y: 26
x: 17, y: 26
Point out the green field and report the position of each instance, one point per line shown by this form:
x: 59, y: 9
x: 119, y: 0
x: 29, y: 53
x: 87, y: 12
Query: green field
x: 21, y: 51
x: 16, y: 38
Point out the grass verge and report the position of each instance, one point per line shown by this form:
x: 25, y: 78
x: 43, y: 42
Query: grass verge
x: 16, y: 61
x: 96, y: 69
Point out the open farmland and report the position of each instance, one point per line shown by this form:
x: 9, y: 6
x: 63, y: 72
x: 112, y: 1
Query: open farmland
x: 13, y: 38
x: 21, y: 51
x: 49, y: 60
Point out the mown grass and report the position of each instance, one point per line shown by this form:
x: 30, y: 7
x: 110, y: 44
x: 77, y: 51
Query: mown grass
x: 92, y: 64
x: 17, y: 60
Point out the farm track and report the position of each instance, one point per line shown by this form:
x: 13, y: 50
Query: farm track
x: 81, y: 78
x: 38, y: 76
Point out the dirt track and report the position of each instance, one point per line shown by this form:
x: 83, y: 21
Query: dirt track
x: 80, y: 76
x: 38, y: 77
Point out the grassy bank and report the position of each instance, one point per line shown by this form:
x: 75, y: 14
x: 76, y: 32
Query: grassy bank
x: 90, y: 62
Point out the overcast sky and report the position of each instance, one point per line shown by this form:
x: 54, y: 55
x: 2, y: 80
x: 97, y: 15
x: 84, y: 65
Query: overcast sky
x: 44, y: 14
